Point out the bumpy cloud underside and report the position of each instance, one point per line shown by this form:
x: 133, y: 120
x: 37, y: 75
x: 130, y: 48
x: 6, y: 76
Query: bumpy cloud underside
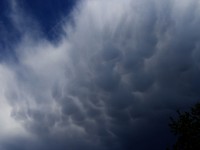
x: 118, y: 71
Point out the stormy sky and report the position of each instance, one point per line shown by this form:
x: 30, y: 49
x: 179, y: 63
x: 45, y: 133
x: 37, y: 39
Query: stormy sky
x: 96, y: 74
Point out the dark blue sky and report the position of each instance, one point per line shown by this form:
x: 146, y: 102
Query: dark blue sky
x: 48, y: 13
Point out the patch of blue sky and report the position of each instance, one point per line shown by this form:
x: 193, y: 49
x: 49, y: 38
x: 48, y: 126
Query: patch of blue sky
x: 47, y: 13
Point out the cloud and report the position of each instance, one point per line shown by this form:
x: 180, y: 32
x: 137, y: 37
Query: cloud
x: 111, y: 81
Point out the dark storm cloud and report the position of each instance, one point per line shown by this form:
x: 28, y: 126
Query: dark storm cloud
x: 111, y: 83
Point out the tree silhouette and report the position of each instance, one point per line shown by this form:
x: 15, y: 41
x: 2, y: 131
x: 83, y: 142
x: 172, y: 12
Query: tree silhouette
x: 187, y: 129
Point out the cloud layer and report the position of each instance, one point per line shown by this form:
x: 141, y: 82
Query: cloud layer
x: 117, y: 72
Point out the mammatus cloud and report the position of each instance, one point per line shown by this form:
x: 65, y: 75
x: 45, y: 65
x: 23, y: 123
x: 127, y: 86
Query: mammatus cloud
x: 119, y: 69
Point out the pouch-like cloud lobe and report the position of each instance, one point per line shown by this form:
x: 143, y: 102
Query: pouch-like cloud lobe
x: 118, y: 71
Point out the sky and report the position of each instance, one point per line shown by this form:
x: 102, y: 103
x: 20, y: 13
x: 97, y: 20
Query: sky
x: 96, y: 74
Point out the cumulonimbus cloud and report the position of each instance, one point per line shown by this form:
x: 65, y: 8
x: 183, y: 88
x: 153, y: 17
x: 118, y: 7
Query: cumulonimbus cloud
x: 119, y: 69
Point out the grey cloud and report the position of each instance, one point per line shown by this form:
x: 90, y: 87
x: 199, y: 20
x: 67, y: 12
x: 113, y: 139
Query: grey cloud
x: 112, y: 81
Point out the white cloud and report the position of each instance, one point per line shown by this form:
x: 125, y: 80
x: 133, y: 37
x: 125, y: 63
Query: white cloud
x: 8, y: 125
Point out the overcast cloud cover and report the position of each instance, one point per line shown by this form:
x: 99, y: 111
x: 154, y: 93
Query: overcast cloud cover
x: 111, y: 80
